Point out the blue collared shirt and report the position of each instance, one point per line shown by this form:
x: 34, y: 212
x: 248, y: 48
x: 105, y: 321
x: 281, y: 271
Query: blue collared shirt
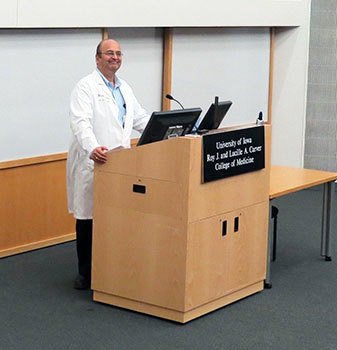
x: 117, y: 95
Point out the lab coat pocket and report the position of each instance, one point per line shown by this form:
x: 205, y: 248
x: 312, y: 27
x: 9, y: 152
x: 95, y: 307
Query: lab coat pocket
x: 90, y: 164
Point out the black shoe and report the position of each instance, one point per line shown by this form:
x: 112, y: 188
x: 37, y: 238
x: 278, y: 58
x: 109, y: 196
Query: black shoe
x: 81, y: 282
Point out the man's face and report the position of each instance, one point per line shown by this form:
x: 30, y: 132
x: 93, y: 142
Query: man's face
x: 110, y: 59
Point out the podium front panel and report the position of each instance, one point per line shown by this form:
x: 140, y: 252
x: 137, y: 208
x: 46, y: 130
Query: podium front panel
x: 158, y: 242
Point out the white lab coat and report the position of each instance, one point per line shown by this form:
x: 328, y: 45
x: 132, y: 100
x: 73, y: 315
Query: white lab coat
x: 94, y: 122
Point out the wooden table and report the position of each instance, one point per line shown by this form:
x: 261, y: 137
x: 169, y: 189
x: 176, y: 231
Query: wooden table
x: 285, y: 180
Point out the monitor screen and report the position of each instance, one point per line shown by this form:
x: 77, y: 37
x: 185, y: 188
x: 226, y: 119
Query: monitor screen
x: 169, y: 124
x: 214, y: 115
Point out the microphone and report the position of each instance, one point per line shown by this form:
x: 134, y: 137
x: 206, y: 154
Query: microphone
x: 173, y: 99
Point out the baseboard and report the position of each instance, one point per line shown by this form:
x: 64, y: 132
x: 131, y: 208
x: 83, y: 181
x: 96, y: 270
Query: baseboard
x: 37, y: 245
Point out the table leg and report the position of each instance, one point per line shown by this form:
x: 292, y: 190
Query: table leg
x: 328, y: 191
x: 267, y: 281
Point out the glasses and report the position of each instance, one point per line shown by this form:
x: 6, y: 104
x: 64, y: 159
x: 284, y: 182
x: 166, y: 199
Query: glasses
x: 112, y: 53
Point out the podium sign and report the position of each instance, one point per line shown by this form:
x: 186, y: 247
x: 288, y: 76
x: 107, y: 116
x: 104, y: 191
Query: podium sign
x: 233, y: 153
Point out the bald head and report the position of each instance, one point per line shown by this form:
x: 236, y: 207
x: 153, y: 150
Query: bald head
x: 99, y: 46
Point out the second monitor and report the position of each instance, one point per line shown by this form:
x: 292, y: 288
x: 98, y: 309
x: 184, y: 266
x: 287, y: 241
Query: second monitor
x: 214, y: 116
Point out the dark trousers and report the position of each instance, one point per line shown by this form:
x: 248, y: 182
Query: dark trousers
x: 83, y: 246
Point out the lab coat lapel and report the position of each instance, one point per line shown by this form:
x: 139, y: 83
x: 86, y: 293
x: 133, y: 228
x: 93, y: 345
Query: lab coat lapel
x: 107, y: 91
x: 102, y: 85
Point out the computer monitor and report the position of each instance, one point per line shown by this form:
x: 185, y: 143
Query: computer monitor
x: 214, y: 115
x: 169, y: 124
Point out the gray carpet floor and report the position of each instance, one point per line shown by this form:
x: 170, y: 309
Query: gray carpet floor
x: 39, y: 309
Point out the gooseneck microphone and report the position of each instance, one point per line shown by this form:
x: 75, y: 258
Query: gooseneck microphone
x: 173, y: 99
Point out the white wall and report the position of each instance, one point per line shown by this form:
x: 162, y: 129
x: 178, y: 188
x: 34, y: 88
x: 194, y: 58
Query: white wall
x: 8, y: 13
x: 232, y: 63
x: 38, y: 70
x: 154, y: 13
x: 290, y: 93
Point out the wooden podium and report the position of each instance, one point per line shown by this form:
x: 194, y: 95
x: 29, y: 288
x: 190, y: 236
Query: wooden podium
x: 159, y: 244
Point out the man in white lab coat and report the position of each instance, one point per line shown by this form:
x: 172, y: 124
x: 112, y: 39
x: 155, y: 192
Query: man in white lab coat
x: 103, y: 112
